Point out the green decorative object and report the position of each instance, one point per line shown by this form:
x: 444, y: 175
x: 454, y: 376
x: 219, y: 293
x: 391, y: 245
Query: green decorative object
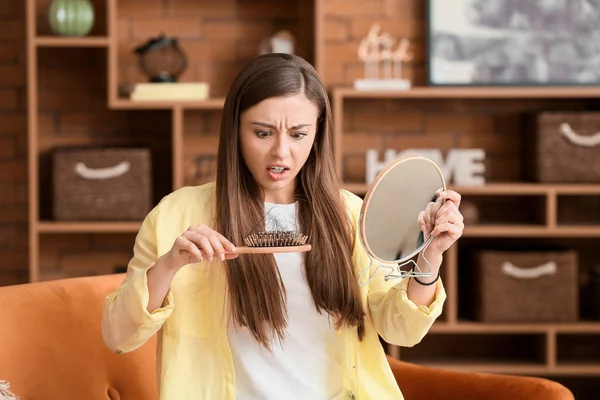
x: 71, y: 17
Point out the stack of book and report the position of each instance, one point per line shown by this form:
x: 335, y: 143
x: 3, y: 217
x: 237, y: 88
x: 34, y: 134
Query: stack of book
x: 170, y: 91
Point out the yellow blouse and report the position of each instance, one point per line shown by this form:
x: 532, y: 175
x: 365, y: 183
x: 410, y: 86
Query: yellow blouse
x: 193, y: 357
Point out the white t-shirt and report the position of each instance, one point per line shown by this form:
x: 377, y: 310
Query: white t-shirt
x: 308, y: 363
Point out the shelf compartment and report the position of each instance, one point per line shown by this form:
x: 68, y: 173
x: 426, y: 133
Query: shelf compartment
x: 395, y: 124
x: 507, y: 349
x: 499, y: 211
x: 73, y: 113
x: 69, y: 255
x: 587, y: 258
x: 578, y: 210
x: 100, y: 27
x: 578, y: 349
x: 219, y: 38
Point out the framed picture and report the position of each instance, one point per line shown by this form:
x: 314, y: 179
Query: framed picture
x: 513, y: 42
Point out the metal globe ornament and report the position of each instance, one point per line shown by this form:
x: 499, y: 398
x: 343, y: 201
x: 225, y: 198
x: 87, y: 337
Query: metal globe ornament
x: 162, y: 59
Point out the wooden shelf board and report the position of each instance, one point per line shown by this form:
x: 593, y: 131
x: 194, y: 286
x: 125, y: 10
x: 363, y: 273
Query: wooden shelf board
x: 59, y: 41
x: 457, y: 92
x: 126, y: 104
x: 88, y: 227
x: 530, y: 231
x: 482, y: 327
x: 527, y: 188
x: 506, y: 189
x: 516, y: 368
x: 577, y: 189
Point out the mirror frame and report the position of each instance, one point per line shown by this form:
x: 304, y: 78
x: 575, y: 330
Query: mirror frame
x: 372, y: 188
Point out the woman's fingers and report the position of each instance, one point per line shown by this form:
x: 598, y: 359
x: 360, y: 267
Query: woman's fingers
x: 227, y: 245
x: 453, y: 230
x: 427, y: 219
x: 183, y: 243
x: 218, y: 249
x: 201, y: 243
x: 450, y: 218
x: 211, y: 243
x: 422, y: 225
x: 449, y: 208
x: 436, y: 207
x: 450, y: 195
x: 209, y: 232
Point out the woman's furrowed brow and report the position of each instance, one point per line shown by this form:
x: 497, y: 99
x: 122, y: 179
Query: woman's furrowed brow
x: 264, y: 124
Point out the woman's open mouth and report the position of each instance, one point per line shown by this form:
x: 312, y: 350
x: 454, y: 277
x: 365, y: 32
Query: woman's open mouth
x: 277, y: 172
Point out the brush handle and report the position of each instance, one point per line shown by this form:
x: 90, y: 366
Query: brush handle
x: 267, y: 250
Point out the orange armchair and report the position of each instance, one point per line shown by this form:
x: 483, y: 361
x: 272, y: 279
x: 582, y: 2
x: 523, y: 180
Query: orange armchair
x: 51, y: 348
x: 425, y: 383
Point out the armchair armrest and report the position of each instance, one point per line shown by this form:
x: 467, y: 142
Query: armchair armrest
x: 425, y: 383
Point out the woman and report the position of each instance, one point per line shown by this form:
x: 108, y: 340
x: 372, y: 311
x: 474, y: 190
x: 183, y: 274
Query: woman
x: 287, y: 326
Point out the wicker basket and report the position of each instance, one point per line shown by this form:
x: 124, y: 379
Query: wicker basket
x: 566, y: 147
x: 101, y: 184
x: 527, y: 286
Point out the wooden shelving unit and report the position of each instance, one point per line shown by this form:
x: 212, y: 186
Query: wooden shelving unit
x: 546, y: 345
x: 185, y: 129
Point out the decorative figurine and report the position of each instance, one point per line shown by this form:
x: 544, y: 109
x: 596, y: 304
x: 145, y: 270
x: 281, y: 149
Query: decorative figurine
x: 162, y: 59
x: 376, y: 51
x: 280, y: 42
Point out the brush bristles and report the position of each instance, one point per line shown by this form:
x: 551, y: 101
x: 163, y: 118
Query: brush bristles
x: 275, y: 239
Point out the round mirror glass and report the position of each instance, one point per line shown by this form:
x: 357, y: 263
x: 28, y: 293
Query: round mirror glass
x: 389, y: 226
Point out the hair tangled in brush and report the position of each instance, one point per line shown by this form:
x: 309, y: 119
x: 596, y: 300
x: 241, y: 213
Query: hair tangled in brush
x: 5, y: 393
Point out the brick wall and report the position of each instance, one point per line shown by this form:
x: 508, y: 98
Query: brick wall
x: 13, y: 145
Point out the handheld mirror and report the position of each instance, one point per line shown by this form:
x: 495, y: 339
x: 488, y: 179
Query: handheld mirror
x: 389, y: 220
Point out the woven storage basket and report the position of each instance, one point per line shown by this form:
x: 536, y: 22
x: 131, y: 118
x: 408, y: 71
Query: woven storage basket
x: 527, y: 286
x: 101, y: 184
x: 567, y: 147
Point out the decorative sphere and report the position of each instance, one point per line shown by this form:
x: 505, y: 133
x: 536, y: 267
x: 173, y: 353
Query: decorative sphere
x: 71, y: 17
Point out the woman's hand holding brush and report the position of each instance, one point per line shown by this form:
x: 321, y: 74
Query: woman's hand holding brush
x: 198, y: 243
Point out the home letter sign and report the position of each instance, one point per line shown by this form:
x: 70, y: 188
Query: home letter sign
x: 461, y: 166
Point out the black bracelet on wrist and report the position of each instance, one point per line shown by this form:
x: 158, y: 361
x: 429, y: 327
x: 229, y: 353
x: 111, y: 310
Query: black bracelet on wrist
x: 428, y: 283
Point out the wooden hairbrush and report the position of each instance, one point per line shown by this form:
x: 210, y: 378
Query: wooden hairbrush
x: 273, y: 242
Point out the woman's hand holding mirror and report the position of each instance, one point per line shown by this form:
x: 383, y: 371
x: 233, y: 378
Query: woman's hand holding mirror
x: 442, y: 220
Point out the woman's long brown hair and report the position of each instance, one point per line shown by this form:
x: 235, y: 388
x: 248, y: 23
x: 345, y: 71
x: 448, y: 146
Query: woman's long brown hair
x: 257, y: 294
